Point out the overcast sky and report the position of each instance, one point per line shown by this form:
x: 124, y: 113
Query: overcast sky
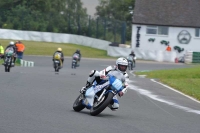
x: 90, y: 5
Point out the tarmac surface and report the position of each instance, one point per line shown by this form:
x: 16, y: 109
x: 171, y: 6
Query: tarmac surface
x: 38, y: 100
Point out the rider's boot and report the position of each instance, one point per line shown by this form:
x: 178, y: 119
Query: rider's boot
x: 83, y: 89
x: 113, y: 106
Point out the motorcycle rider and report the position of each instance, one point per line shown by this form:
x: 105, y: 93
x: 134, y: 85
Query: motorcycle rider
x: 132, y: 56
x: 79, y: 53
x: 132, y: 53
x: 59, y: 52
x: 118, y: 71
x: 11, y: 46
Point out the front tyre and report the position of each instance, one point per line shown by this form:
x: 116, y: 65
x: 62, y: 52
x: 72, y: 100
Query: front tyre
x: 8, y: 70
x: 78, y: 106
x: 95, y: 110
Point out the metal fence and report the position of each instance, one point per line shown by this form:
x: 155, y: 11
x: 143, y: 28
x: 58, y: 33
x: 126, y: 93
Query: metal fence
x: 95, y: 27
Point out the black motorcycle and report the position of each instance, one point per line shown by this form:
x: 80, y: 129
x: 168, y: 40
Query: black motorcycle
x: 8, y: 60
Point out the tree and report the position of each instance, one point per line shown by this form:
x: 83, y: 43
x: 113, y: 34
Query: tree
x: 41, y: 15
x: 117, y: 10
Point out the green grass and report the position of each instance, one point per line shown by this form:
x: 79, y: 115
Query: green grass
x: 17, y: 63
x: 45, y: 48
x: 186, y: 80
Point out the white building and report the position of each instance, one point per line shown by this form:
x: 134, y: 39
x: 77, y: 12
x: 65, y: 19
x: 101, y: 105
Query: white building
x: 157, y: 23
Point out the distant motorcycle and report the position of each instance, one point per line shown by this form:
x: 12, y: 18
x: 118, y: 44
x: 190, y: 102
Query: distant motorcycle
x: 57, y: 63
x: 75, y: 61
x: 131, y: 62
x: 9, y: 57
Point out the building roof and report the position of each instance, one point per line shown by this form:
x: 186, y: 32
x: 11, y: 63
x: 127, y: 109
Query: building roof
x: 181, y: 13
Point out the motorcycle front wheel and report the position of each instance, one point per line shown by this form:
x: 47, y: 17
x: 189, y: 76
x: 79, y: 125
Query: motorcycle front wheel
x: 95, y: 110
x: 7, y: 68
x: 78, y: 106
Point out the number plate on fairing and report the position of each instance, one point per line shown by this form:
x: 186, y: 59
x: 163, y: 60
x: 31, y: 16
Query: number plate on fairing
x: 117, y: 84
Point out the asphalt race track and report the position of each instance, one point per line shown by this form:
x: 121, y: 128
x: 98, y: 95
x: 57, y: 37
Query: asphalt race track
x: 38, y: 100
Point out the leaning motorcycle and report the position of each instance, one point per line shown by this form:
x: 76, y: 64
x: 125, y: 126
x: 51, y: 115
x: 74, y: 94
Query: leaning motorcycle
x: 104, y: 96
x: 57, y: 62
x: 75, y: 62
x: 9, y: 55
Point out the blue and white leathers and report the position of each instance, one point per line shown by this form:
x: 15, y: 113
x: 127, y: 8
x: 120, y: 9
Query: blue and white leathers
x: 116, y: 81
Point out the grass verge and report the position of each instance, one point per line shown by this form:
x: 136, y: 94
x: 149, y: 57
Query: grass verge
x: 17, y: 63
x: 186, y: 80
x: 46, y: 48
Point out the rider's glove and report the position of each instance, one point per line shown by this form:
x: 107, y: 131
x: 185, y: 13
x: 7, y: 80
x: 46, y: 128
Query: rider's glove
x: 103, y: 77
x: 125, y: 87
x: 124, y: 90
x: 120, y: 93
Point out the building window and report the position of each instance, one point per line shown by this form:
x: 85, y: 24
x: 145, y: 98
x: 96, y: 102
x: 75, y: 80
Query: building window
x: 151, y: 29
x: 160, y: 30
x: 197, y: 32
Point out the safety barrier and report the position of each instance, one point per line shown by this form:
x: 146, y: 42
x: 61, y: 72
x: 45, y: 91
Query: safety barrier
x: 25, y: 63
x: 192, y: 57
x: 188, y: 57
x: 196, y: 57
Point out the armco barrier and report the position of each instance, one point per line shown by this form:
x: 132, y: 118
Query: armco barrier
x: 25, y: 63
x: 192, y: 57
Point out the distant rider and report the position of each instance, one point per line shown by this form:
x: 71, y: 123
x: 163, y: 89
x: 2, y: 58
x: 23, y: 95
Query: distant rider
x: 11, y: 46
x: 132, y: 58
x: 132, y: 53
x: 59, y: 55
x: 79, y: 53
x: 119, y: 71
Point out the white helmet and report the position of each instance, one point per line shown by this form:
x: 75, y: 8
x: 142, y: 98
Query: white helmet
x: 11, y: 43
x: 121, y: 64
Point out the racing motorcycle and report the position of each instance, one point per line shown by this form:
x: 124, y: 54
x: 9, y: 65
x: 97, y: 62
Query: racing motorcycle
x: 106, y: 90
x: 57, y: 62
x: 131, y: 62
x: 75, y: 62
x: 8, y: 60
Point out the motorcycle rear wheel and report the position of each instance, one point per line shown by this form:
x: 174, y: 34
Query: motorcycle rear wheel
x: 7, y: 69
x: 56, y: 68
x: 97, y: 110
x: 73, y: 65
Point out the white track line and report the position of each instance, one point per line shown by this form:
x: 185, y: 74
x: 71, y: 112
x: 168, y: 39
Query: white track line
x: 175, y: 90
x: 158, y: 98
